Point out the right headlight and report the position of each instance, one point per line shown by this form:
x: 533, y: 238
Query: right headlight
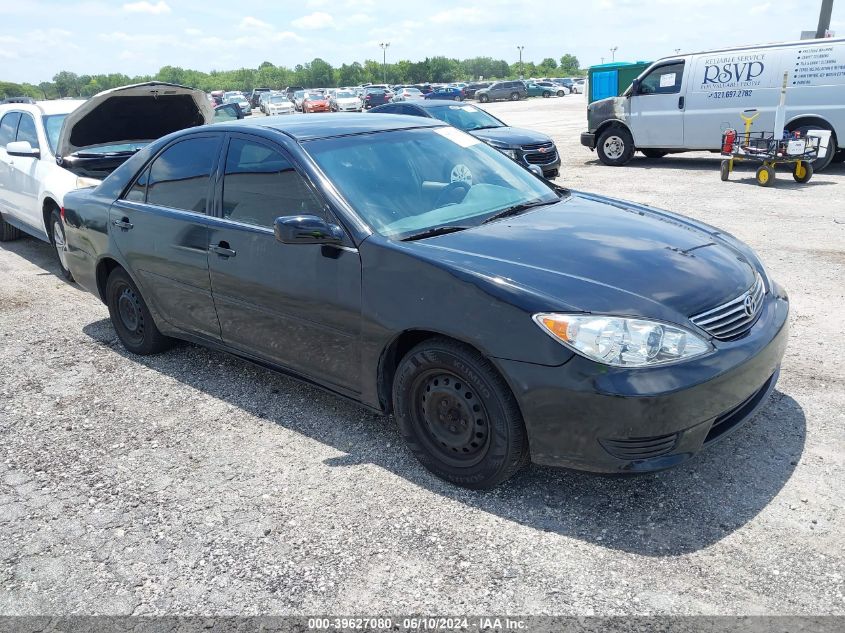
x: 622, y: 341
x: 510, y: 153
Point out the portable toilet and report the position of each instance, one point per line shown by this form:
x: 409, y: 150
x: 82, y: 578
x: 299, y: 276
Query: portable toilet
x: 611, y: 80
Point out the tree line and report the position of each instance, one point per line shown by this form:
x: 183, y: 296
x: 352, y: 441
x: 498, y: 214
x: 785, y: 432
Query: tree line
x: 314, y: 74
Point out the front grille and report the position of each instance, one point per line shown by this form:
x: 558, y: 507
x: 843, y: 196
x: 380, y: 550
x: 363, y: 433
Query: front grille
x: 640, y: 447
x: 537, y: 146
x: 735, y: 317
x: 541, y: 159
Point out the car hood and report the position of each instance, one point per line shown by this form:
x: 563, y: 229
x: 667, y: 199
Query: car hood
x: 595, y: 254
x: 131, y: 114
x: 510, y: 136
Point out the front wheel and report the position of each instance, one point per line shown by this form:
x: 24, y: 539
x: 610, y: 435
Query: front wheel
x: 484, y: 98
x: 514, y: 96
x: 561, y: 93
x: 765, y: 176
x: 458, y: 415
x: 131, y: 317
x: 615, y: 146
x: 725, y: 170
x: 57, y: 237
x: 802, y: 172
x: 653, y: 153
x: 546, y: 94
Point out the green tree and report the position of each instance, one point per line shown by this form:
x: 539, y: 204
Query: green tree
x: 569, y: 65
x: 67, y: 84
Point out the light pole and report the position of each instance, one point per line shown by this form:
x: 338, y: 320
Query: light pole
x: 521, y: 70
x: 613, y: 53
x: 384, y: 47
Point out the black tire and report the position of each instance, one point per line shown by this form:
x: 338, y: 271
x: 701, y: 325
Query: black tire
x: 56, y: 231
x: 483, y: 99
x: 838, y: 157
x: 802, y: 172
x: 131, y: 318
x: 820, y: 163
x: 615, y: 146
x: 514, y: 96
x: 653, y: 153
x: 458, y: 415
x: 561, y: 93
x: 725, y: 170
x: 7, y: 231
x: 765, y: 176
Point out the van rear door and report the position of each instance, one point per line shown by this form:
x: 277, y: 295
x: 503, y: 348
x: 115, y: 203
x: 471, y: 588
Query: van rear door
x: 657, y: 108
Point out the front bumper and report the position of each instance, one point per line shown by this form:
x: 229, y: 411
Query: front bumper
x: 588, y: 139
x: 592, y: 417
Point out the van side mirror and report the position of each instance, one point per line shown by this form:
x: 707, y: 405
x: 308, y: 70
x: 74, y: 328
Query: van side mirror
x: 22, y: 149
x: 306, y: 229
x: 635, y: 87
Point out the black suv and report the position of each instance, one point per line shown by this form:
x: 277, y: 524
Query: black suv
x: 513, y: 90
x: 255, y: 96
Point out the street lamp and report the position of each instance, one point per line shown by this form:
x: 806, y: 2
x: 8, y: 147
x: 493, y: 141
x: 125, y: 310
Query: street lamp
x: 521, y: 70
x: 613, y: 53
x: 384, y: 47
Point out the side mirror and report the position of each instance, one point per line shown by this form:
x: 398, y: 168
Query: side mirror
x: 306, y: 229
x: 23, y: 149
x: 635, y: 87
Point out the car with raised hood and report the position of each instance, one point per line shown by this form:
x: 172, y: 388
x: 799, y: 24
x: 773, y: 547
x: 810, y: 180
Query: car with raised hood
x: 407, y: 265
x: 345, y: 101
x: 527, y: 147
x: 52, y: 147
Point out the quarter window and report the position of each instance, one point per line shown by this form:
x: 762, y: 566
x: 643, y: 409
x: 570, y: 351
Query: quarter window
x: 179, y: 178
x: 260, y: 184
x: 26, y: 131
x: 7, y: 128
x: 664, y: 80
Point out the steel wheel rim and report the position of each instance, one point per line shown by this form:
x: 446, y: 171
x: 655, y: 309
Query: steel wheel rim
x: 453, y: 422
x: 60, y: 243
x: 129, y: 313
x: 614, y: 147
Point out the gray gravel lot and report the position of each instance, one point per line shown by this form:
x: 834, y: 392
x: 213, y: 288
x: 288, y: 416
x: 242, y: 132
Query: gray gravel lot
x: 195, y: 483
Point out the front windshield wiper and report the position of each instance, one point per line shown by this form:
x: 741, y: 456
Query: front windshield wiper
x: 438, y: 230
x: 485, y: 127
x: 519, y: 208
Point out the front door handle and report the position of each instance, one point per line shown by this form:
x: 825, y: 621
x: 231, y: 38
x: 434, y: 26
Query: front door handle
x: 123, y: 223
x: 681, y: 103
x: 223, y: 250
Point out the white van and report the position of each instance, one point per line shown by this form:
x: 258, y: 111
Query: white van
x: 685, y: 103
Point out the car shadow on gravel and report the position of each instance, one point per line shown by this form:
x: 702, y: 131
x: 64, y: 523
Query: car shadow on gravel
x: 662, y: 514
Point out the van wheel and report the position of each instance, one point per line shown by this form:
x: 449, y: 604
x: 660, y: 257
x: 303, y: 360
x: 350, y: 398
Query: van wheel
x: 57, y: 237
x: 458, y: 415
x: 820, y: 163
x: 615, y: 146
x: 7, y: 231
x: 653, y: 153
x: 839, y: 157
x: 130, y: 316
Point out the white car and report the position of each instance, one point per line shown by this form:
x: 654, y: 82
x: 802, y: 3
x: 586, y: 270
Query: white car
x: 578, y: 85
x: 345, y: 101
x: 49, y: 148
x: 278, y: 104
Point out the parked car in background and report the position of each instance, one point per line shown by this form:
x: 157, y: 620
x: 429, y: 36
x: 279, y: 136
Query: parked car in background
x: 315, y: 102
x: 500, y: 90
x: 345, y: 101
x: 578, y: 85
x: 278, y: 104
x: 526, y: 147
x: 52, y: 147
x: 255, y: 95
x: 411, y: 267
x: 471, y: 89
x: 565, y: 82
x: 446, y: 93
x: 290, y: 91
x: 227, y: 112
x: 216, y: 97
x: 298, y: 96
x: 544, y: 89
x: 375, y: 97
x: 408, y: 94
x: 241, y: 101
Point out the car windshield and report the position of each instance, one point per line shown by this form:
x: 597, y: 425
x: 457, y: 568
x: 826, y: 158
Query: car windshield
x: 343, y: 94
x: 405, y: 182
x: 412, y: 91
x: 465, y: 117
x: 278, y: 99
x: 314, y: 96
x: 52, y: 126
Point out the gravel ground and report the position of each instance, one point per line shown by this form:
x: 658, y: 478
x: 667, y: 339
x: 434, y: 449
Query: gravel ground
x: 195, y: 483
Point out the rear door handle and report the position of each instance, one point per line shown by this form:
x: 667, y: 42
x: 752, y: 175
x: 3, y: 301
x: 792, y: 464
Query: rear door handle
x: 681, y: 103
x: 123, y: 223
x: 223, y: 250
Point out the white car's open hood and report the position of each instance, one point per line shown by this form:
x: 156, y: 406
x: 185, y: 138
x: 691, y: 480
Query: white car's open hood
x: 133, y: 114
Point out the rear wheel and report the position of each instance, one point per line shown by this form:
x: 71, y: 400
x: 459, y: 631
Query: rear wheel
x: 765, y: 176
x: 57, y: 237
x: 802, y: 172
x: 820, y: 163
x: 546, y: 94
x: 725, y: 170
x: 7, y: 231
x: 653, y: 153
x: 514, y: 96
x: 130, y: 316
x: 561, y: 93
x: 483, y: 99
x: 458, y: 415
x: 839, y: 157
x: 615, y: 146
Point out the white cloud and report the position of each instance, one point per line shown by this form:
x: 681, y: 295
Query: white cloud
x: 250, y: 22
x: 158, y: 8
x: 760, y: 8
x: 464, y: 15
x: 358, y: 19
x: 193, y: 32
x: 316, y: 20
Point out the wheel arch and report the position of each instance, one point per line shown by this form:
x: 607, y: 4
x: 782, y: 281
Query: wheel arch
x: 812, y: 119
x: 612, y: 123
x: 48, y: 203
x: 104, y: 268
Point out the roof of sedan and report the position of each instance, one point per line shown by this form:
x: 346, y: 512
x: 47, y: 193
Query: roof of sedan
x: 313, y: 126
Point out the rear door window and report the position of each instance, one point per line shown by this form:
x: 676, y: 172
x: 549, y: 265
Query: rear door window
x: 26, y: 131
x: 8, y: 126
x: 180, y: 177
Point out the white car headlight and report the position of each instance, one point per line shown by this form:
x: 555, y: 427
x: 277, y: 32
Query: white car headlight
x: 621, y: 341
x: 510, y: 153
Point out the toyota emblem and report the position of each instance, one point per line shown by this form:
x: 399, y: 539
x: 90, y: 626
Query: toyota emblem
x: 748, y: 304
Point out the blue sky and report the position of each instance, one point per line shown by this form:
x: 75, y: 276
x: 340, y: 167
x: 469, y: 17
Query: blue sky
x: 40, y: 37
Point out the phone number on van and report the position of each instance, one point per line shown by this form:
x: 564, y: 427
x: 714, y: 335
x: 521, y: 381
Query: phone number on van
x: 730, y: 94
